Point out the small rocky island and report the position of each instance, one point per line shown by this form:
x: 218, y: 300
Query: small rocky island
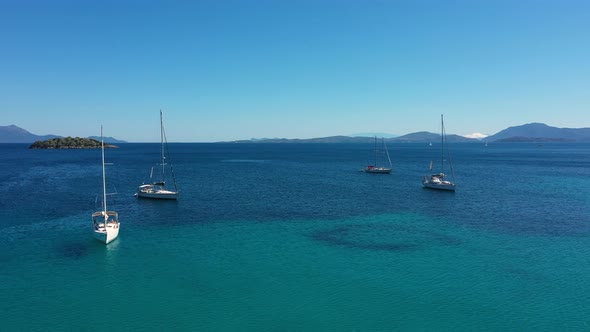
x: 69, y: 143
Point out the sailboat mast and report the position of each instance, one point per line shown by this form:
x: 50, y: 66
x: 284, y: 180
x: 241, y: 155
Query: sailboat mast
x: 104, y: 179
x: 162, y: 143
x: 442, y: 145
x: 375, y: 151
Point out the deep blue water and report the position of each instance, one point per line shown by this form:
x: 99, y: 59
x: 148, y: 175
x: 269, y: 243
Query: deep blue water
x: 294, y: 237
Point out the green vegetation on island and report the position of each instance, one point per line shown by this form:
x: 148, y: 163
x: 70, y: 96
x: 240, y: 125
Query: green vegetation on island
x: 69, y: 143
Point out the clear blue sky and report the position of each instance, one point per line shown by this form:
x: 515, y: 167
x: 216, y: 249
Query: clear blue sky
x: 224, y: 70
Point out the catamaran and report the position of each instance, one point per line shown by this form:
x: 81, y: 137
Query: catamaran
x: 105, y: 223
x: 157, y: 189
x: 438, y: 181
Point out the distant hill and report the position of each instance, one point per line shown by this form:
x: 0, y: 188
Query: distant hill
x: 521, y: 139
x: 540, y: 132
x: 15, y: 134
x: 110, y: 140
x: 378, y: 135
x: 420, y: 137
x: 330, y: 139
x: 427, y: 137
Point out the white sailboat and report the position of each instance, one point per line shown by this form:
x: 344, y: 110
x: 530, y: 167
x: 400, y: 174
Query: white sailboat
x: 105, y: 224
x: 157, y: 189
x: 375, y: 168
x: 438, y: 181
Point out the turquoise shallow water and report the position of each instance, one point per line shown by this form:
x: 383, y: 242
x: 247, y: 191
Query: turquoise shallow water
x: 274, y: 237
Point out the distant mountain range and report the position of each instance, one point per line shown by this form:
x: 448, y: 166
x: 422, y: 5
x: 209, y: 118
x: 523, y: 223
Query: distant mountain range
x: 15, y: 134
x: 531, y: 132
x: 540, y: 132
x: 330, y: 139
x: 418, y: 137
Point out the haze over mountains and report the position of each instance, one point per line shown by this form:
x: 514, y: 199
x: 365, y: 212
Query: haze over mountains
x: 532, y: 132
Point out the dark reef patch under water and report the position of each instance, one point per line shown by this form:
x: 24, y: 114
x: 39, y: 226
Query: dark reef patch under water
x: 74, y: 250
x: 397, y: 238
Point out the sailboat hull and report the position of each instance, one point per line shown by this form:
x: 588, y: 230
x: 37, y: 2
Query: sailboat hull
x: 105, y: 232
x: 442, y: 185
x: 162, y: 194
x: 107, y: 236
x: 378, y: 170
x: 156, y: 192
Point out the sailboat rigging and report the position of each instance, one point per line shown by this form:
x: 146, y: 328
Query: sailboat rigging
x: 438, y: 181
x: 157, y: 189
x: 375, y: 168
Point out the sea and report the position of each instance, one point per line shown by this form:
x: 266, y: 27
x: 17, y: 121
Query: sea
x: 293, y: 237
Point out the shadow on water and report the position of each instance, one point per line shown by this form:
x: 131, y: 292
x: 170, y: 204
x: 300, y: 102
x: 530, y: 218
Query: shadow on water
x: 75, y: 250
x: 85, y: 246
x: 393, y: 238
